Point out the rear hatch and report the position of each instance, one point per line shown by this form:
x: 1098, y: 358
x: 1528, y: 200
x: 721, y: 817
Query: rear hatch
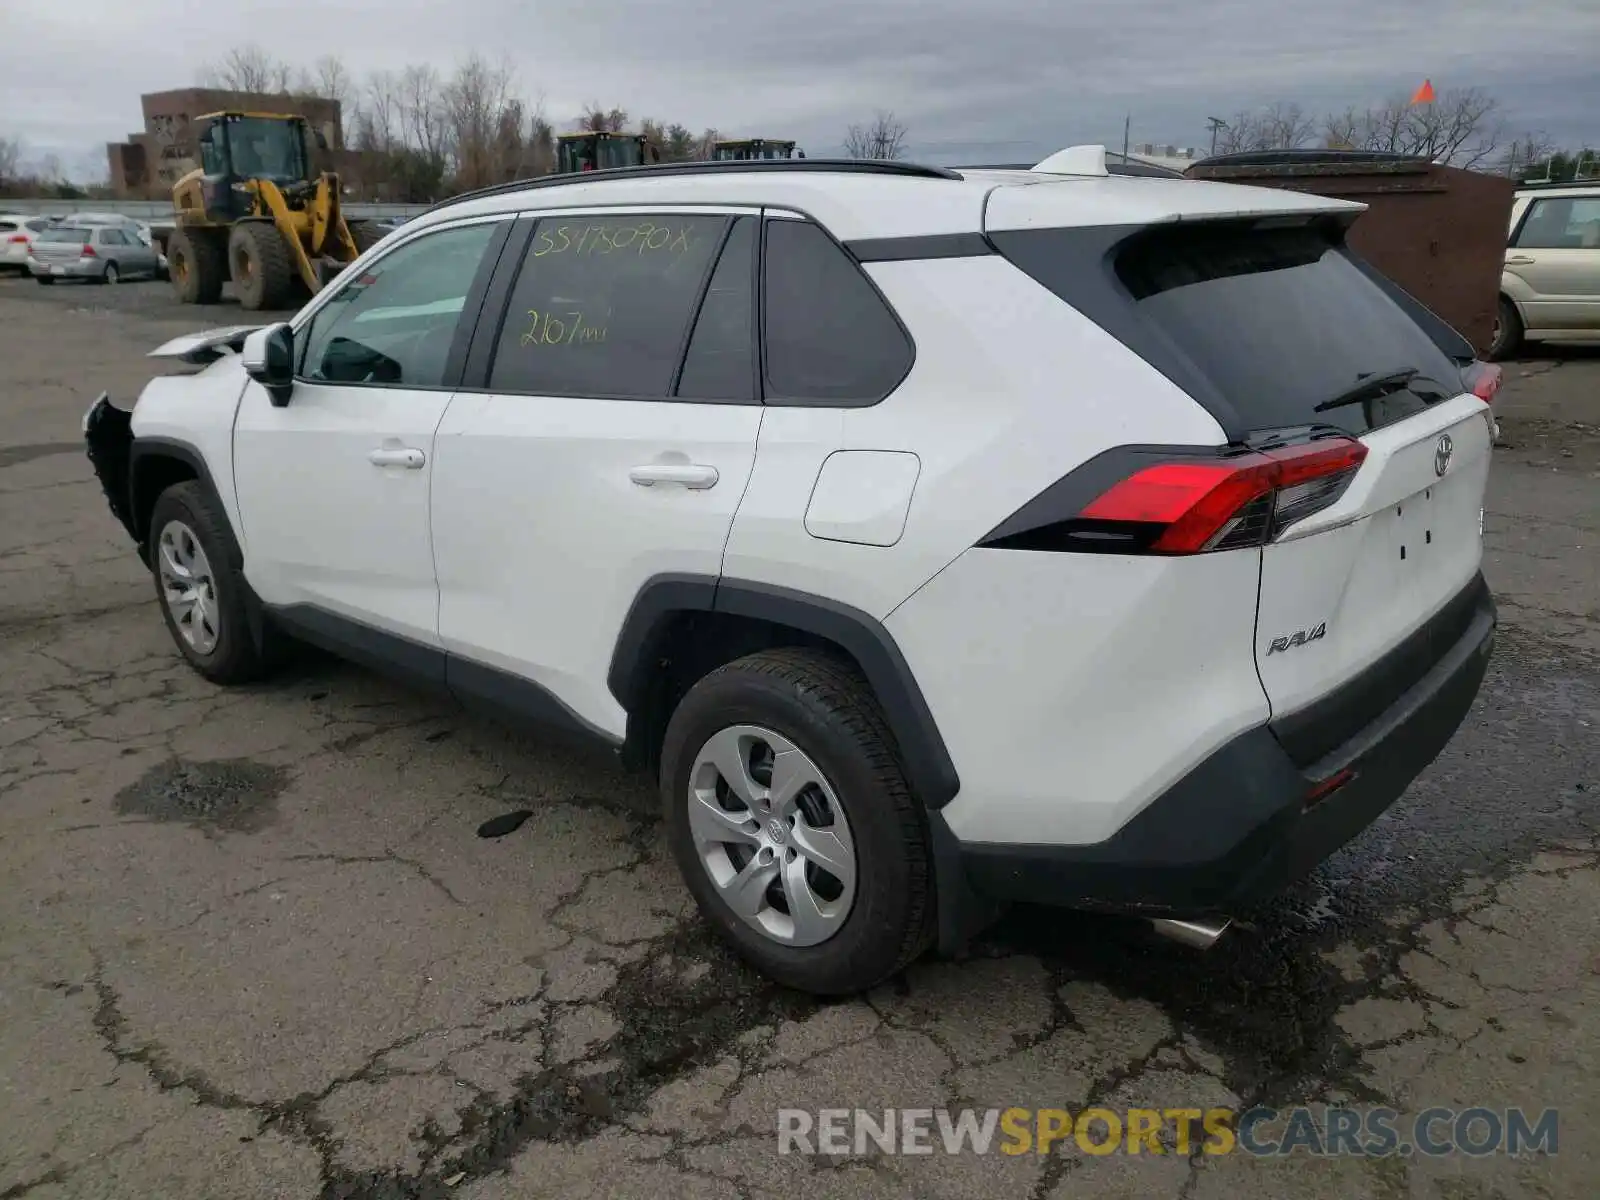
x: 1291, y: 343
x: 60, y: 245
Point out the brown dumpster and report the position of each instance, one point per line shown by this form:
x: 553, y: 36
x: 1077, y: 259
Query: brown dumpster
x: 1438, y: 232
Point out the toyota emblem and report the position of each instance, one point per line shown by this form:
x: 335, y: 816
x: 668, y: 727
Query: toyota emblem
x: 1442, y: 455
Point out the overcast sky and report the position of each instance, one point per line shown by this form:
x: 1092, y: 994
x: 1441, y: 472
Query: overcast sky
x: 1001, y: 79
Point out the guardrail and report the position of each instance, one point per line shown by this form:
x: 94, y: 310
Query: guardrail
x: 158, y: 213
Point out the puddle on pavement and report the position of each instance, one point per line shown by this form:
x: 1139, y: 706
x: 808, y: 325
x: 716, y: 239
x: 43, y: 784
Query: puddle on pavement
x: 230, y: 795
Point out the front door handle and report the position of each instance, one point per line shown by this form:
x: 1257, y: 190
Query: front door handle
x: 389, y: 456
x: 1519, y: 260
x: 689, y: 475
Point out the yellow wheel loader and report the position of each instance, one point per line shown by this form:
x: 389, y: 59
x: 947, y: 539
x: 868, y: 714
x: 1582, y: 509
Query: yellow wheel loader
x: 603, y: 151
x: 254, y: 213
x: 754, y: 149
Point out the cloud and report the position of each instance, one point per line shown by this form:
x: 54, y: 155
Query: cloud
x: 1011, y: 78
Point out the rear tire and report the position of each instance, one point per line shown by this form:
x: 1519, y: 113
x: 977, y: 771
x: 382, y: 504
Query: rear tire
x: 190, y: 554
x: 110, y: 275
x: 43, y: 280
x: 263, y: 277
x: 197, y: 265
x: 1508, y: 331
x: 818, y: 712
x: 365, y: 234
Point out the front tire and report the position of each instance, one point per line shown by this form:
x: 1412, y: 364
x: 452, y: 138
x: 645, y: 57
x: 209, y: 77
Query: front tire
x: 202, y: 594
x: 258, y: 260
x: 792, y: 823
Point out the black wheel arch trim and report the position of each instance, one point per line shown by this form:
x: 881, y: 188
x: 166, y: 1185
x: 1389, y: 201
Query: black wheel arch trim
x: 146, y: 448
x: 925, y: 757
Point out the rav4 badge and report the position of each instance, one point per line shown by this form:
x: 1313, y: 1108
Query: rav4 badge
x: 1298, y: 638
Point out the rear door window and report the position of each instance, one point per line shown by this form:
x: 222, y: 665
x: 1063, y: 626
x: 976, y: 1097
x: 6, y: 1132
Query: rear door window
x: 720, y: 363
x: 1278, y: 324
x: 830, y: 338
x: 1561, y: 223
x: 602, y: 305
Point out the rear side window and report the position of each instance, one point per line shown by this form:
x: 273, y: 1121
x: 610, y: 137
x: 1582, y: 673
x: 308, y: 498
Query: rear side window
x: 8, y: 226
x: 1270, y: 327
x: 602, y: 305
x: 830, y: 339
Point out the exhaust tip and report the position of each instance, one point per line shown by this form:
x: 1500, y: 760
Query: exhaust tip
x: 1198, y: 934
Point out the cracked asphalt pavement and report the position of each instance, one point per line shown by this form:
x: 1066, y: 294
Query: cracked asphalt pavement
x: 252, y: 946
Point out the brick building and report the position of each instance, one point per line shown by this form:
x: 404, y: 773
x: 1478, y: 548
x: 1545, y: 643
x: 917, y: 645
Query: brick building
x: 150, y: 162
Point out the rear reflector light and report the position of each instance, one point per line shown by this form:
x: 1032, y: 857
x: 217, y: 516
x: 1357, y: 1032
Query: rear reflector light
x: 1482, y: 380
x: 1198, y: 505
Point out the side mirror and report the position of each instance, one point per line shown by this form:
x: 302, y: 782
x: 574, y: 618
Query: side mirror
x: 322, y: 140
x: 269, y: 360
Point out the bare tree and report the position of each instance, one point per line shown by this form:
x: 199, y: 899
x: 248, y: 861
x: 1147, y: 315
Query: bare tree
x: 485, y: 122
x: 329, y: 79
x: 597, y: 119
x: 421, y: 112
x: 706, y: 145
x: 50, y: 169
x: 248, y: 69
x: 541, y: 143
x: 378, y: 122
x: 1462, y: 127
x: 10, y: 159
x: 1281, y: 127
x: 883, y: 137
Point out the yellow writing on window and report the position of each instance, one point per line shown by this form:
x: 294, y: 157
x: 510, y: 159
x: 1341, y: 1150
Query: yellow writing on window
x: 644, y: 238
x: 561, y: 329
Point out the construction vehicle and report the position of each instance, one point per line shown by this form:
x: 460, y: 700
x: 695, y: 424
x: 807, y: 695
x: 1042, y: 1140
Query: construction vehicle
x: 254, y: 212
x: 754, y: 148
x: 598, y: 150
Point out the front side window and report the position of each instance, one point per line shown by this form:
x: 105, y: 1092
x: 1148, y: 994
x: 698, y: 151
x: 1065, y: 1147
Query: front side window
x: 394, y: 323
x: 830, y: 338
x: 602, y: 305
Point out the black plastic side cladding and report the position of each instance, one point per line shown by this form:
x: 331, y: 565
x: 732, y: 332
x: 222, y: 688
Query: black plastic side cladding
x: 931, y: 772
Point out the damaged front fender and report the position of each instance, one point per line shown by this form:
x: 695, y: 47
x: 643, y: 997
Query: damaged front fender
x: 108, y: 437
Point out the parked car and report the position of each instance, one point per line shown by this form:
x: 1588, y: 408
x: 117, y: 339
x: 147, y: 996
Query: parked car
x: 16, y: 236
x: 1550, y: 286
x: 936, y: 539
x: 98, y: 253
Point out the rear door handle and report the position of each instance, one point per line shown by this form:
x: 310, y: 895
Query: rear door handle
x: 689, y: 475
x: 387, y: 456
x: 1519, y: 260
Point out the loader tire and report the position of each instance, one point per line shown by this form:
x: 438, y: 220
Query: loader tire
x: 263, y: 276
x: 365, y: 234
x: 197, y: 266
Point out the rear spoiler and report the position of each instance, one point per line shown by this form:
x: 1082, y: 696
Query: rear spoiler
x: 207, y: 346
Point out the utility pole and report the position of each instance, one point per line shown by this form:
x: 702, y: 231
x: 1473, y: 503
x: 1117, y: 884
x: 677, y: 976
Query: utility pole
x: 1127, y: 124
x: 1216, y: 124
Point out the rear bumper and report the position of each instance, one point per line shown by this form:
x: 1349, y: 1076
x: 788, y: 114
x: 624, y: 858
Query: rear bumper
x: 77, y: 268
x: 1243, y: 824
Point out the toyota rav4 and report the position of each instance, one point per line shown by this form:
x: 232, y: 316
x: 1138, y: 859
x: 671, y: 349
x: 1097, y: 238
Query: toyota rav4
x: 939, y: 539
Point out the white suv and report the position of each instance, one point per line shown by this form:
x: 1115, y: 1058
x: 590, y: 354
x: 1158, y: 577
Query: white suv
x: 939, y: 539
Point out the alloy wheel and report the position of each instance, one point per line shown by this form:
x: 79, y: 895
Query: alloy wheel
x: 772, y: 835
x: 188, y: 587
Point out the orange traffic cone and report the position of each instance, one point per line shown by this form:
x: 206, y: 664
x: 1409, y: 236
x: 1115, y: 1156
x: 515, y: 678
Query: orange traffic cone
x: 1424, y: 94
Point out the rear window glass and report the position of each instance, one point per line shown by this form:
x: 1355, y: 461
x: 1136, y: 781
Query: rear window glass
x: 58, y: 234
x: 1280, y: 323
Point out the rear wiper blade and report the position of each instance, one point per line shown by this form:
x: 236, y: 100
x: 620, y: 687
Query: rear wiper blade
x: 1370, y: 388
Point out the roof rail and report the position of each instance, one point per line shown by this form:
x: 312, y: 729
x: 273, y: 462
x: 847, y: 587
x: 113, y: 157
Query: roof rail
x: 781, y: 166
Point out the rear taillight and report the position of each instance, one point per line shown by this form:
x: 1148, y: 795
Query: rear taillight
x: 1197, y: 505
x: 1482, y: 380
x: 87, y: 251
x: 18, y: 239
